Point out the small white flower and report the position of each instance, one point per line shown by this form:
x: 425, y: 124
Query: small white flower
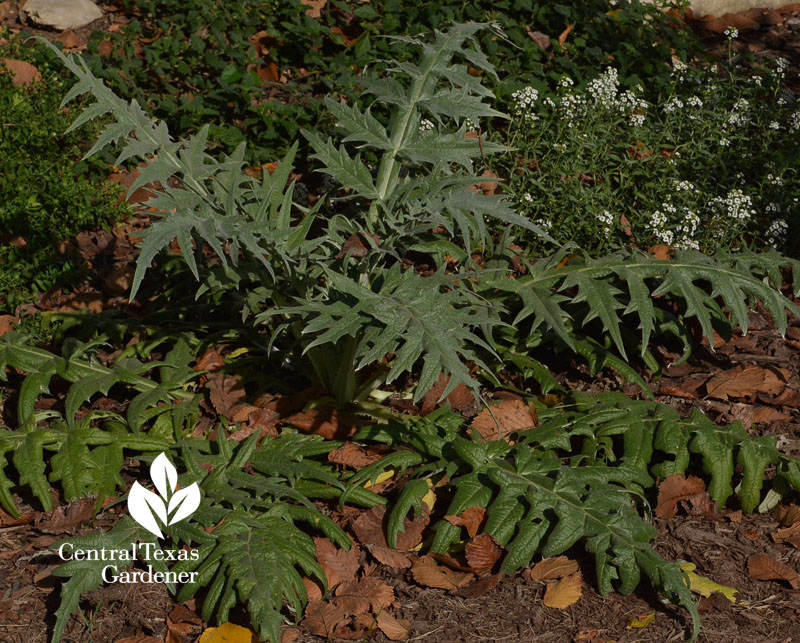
x: 776, y: 233
x: 731, y: 33
x: 606, y: 220
x: 426, y: 125
x: 637, y: 120
x: 774, y: 125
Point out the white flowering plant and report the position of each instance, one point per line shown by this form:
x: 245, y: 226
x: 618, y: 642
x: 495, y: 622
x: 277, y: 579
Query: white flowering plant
x: 708, y: 165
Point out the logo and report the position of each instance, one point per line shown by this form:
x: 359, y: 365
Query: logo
x: 169, y: 506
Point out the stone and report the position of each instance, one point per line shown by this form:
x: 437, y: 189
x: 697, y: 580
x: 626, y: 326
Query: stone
x: 60, y: 14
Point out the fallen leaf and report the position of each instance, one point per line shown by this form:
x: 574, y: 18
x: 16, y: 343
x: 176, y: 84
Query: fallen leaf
x: 63, y: 519
x: 552, y: 568
x: 512, y: 415
x: 22, y: 73
x: 361, y: 596
x: 390, y: 557
x: 541, y: 39
x: 565, y: 592
x: 211, y: 361
x: 352, y: 455
x: 70, y: 40
x: 182, y: 614
x: 338, y: 564
x: 290, y: 634
x: 482, y: 553
x: 395, y: 629
x: 743, y: 381
x: 562, y: 38
x: 7, y: 323
x: 323, y: 619
x: 138, y: 639
x: 661, y: 252
x: 331, y: 424
x: 315, y: 7
x: 642, y: 621
x: 764, y: 567
x: 370, y: 531
x: 480, y: 586
x: 459, y: 399
x: 673, y: 490
x: 488, y: 187
x: 426, y: 572
x: 347, y: 40
x: 227, y: 633
x: 313, y: 590
x: 118, y: 282
x: 357, y: 245
x: 226, y: 393
x: 705, y: 586
x: 471, y: 518
x: 769, y: 414
x: 789, y: 535
x: 789, y: 397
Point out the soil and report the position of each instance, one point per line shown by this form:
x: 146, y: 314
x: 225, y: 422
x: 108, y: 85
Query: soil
x: 512, y: 609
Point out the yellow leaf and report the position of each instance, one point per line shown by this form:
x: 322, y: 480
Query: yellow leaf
x: 235, y: 353
x: 430, y: 497
x: 381, y: 478
x: 227, y: 633
x: 705, y: 586
x: 642, y: 621
x: 564, y: 592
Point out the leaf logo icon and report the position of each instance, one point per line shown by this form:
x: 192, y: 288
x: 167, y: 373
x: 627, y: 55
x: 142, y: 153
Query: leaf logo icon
x: 145, y: 506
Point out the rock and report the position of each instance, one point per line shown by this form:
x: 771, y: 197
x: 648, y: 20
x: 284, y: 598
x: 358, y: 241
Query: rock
x: 60, y: 14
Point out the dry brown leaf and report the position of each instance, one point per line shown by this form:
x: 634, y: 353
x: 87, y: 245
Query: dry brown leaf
x: 363, y: 595
x: 138, y: 639
x: 565, y: 592
x: 22, y: 73
x: 426, y: 572
x: 482, y: 553
x: 70, y: 40
x: 480, y: 586
x: 226, y: 392
x: 661, y: 252
x: 390, y: 557
x: 769, y: 414
x: 511, y: 414
x: 488, y: 187
x: 313, y: 590
x: 324, y: 619
x: 315, y: 7
x: 369, y: 529
x: 331, y: 424
x: 471, y: 518
x: 182, y: 614
x: 552, y: 568
x: 460, y: 398
x: 743, y: 381
x: 345, y: 38
x: 541, y: 39
x: 357, y: 245
x: 395, y: 629
x: 290, y: 634
x: 789, y: 535
x: 339, y: 565
x: 789, y: 397
x: 673, y: 490
x: 7, y: 323
x: 764, y: 567
x: 118, y: 281
x: 63, y: 519
x: 562, y: 38
x: 352, y: 455
x: 211, y: 361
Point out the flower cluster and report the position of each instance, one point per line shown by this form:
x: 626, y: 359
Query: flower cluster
x: 736, y: 205
x: 604, y: 88
x: 606, y: 220
x: 524, y: 100
x: 776, y: 233
x: 426, y: 125
x: 740, y: 113
x: 731, y: 33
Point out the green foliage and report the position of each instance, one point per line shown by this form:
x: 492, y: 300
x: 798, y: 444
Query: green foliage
x: 48, y: 193
x: 199, y: 64
x: 577, y: 478
x: 621, y: 292
x: 88, y: 457
x: 250, y: 548
x: 709, y: 163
